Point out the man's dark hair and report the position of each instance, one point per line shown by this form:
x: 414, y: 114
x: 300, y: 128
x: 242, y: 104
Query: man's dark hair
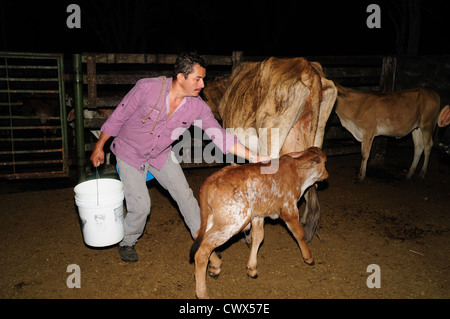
x: 185, y: 64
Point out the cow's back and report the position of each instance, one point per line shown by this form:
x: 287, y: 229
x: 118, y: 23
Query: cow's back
x: 274, y: 93
x: 214, y: 92
x: 240, y: 101
x: 251, y: 82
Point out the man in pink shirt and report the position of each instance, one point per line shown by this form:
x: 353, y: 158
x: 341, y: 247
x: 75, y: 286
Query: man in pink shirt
x: 144, y: 125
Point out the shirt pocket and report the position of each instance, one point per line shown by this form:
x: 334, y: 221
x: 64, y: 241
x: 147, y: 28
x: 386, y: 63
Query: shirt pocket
x: 152, y: 115
x: 150, y: 119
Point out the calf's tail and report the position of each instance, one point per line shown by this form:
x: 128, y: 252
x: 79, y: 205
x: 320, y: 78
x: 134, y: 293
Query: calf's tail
x: 195, y: 246
x: 205, y: 211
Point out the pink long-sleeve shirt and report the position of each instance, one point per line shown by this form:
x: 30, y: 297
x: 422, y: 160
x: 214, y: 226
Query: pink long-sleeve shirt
x: 132, y: 123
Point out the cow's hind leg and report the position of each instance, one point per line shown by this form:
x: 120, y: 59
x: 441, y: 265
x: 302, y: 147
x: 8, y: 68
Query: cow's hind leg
x: 366, y: 145
x: 427, y: 138
x: 257, y: 238
x: 418, y: 149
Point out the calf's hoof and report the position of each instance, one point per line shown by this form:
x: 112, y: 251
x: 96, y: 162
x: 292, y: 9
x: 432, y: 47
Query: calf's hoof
x: 247, y: 239
x: 251, y: 273
x: 214, y: 272
x: 214, y: 276
x: 311, y: 263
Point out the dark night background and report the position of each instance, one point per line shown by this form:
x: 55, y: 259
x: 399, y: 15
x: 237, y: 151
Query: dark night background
x: 280, y: 28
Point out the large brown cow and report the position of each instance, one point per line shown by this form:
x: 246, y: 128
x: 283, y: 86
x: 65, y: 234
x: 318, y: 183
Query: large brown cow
x: 275, y: 107
x: 395, y: 114
x: 237, y: 196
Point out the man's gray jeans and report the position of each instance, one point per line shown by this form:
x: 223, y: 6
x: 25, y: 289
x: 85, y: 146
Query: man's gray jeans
x: 138, y: 202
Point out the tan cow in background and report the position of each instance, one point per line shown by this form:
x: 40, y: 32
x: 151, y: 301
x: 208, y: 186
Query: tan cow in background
x: 275, y: 107
x: 395, y: 114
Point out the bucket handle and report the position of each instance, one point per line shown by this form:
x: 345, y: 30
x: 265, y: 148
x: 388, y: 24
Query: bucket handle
x: 97, y: 177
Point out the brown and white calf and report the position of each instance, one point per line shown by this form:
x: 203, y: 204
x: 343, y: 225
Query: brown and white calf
x: 237, y: 196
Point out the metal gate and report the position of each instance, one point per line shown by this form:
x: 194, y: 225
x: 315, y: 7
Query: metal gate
x: 33, y: 131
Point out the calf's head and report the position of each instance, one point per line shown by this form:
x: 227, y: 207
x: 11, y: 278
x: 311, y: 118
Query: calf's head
x: 310, y: 165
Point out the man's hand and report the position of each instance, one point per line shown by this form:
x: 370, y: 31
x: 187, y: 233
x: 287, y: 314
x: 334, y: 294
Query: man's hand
x: 261, y: 158
x: 242, y: 151
x: 98, y: 156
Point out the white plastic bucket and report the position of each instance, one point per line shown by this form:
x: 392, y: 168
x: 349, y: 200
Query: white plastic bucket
x: 100, y: 206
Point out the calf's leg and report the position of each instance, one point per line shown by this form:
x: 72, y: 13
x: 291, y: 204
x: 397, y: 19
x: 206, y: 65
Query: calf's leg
x: 213, y: 238
x: 295, y: 227
x: 201, y: 262
x: 257, y: 238
x: 214, y: 265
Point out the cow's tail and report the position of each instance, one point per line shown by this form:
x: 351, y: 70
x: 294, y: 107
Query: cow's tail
x: 205, y: 211
x: 311, y: 216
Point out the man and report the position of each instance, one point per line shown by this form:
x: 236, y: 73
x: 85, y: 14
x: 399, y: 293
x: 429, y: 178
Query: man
x: 143, y: 125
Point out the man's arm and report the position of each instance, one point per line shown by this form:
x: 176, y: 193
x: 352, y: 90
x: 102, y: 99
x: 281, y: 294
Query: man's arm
x: 98, y: 156
x: 240, y: 150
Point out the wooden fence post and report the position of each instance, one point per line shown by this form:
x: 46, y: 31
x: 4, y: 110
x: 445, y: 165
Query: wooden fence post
x: 388, y: 74
x: 236, y: 58
x: 91, y: 81
x: 387, y: 84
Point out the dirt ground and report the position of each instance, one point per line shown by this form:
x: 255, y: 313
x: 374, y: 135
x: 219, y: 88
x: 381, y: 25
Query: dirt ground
x: 401, y: 226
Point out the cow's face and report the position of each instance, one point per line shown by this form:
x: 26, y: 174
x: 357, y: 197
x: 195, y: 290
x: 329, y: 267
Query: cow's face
x: 193, y: 84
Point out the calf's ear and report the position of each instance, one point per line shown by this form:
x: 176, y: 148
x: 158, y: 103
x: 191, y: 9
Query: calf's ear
x: 310, y: 162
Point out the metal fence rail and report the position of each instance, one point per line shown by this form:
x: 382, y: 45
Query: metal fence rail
x: 33, y: 133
